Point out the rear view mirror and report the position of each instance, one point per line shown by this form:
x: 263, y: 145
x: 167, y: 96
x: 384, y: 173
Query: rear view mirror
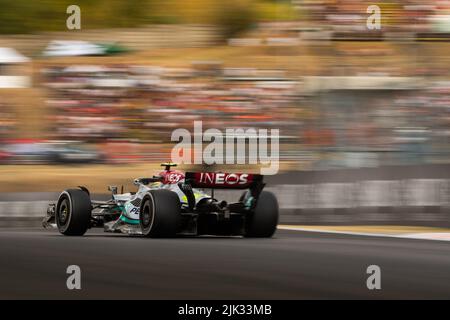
x: 113, y: 189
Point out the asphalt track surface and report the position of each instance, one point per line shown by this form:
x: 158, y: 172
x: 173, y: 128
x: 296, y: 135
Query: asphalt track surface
x: 292, y: 265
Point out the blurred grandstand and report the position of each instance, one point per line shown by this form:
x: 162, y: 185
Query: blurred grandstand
x: 342, y: 95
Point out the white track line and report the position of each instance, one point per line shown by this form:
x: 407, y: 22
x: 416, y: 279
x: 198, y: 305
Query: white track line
x: 436, y: 236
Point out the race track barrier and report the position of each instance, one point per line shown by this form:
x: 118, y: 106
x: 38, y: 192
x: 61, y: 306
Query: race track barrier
x: 409, y: 201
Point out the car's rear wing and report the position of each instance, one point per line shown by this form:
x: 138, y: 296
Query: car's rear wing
x: 222, y: 180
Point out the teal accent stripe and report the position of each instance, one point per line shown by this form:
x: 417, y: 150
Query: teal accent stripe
x: 128, y: 220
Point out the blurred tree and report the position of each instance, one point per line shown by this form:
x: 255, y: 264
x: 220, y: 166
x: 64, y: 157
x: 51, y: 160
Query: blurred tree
x: 232, y: 16
x: 235, y: 16
x: 277, y: 10
x: 24, y: 16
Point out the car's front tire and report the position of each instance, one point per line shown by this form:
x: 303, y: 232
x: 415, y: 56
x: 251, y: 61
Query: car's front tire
x: 262, y: 222
x: 160, y: 214
x: 73, y: 212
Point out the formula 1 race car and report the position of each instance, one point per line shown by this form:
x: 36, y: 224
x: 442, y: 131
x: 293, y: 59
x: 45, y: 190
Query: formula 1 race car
x: 169, y: 204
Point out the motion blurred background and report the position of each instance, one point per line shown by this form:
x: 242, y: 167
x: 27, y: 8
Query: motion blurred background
x: 364, y: 115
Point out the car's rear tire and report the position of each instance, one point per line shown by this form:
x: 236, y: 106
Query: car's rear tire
x: 262, y: 222
x: 73, y: 212
x: 160, y: 214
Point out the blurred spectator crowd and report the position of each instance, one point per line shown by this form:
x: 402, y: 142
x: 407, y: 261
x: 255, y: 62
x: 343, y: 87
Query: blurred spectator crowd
x: 119, y: 106
x: 397, y: 16
x: 337, y: 104
x: 98, y: 103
